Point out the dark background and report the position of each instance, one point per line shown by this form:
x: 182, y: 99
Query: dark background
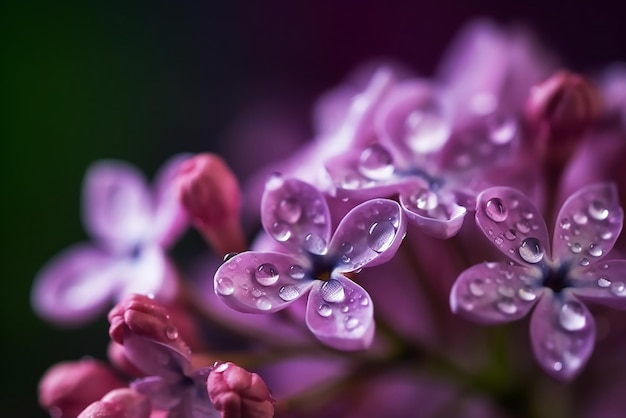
x: 140, y: 82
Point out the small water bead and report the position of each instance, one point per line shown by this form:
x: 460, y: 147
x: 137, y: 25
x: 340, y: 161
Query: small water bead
x: 606, y: 235
x: 595, y: 251
x: 288, y: 293
x: 381, y: 235
x: 225, y: 286
x: 351, y: 182
x: 511, y: 234
x: 346, y: 248
x: 365, y: 301
x: 598, y: 211
x: 296, y: 272
x: 527, y: 214
x: 498, y: 241
x: 324, y: 310
x: 345, y: 259
x: 531, y: 250
x: 266, y: 274
x: 220, y: 367
x: 495, y: 210
x: 584, y: 262
x: 314, y: 244
x: 618, y: 289
x: 351, y: 323
x: 289, y: 210
x: 171, y: 332
x: 507, y: 306
x: 527, y: 293
x: 502, y: 129
x: 576, y: 248
x: 477, y: 287
x: 264, y: 303
x: 332, y: 291
x: 256, y: 292
x: 523, y: 227
x: 565, y: 223
x: 426, y: 131
x: 557, y: 366
x: 229, y: 256
x: 425, y: 199
x: 345, y: 308
x: 318, y: 218
x: 604, y: 282
x: 280, y: 231
x: 572, y: 316
x: 580, y: 218
x: 376, y: 162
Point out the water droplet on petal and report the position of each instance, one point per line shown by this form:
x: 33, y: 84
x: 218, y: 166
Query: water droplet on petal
x: 510, y: 234
x: 225, y: 286
x: 495, y: 210
x: 425, y: 199
x: 351, y: 323
x: 314, y: 244
x: 506, y: 306
x: 266, y: 274
x: 502, y: 129
x: 296, y: 272
x: 351, y: 182
x: 606, y: 235
x: 229, y: 256
x: 523, y: 227
x: 289, y: 210
x: 280, y: 231
x: 527, y: 214
x: 426, y: 131
x: 576, y: 248
x: 345, y: 259
x: 381, y: 235
x: 171, y: 332
x: 584, y: 262
x: 531, y: 250
x: 498, y: 241
x: 263, y: 303
x: 572, y: 316
x: 557, y: 366
x: 618, y: 289
x: 598, y: 211
x: 220, y: 367
x: 604, y: 282
x: 477, y: 287
x: 594, y: 250
x: 580, y: 218
x: 565, y: 223
x: 288, y: 292
x: 324, y: 310
x: 256, y: 292
x: 365, y: 301
x: 527, y: 293
x: 376, y: 162
x: 332, y: 291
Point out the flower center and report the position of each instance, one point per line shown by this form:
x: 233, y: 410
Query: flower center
x: 557, y: 279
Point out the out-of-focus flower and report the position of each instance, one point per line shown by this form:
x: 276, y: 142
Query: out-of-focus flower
x: 237, y: 393
x: 119, y: 403
x: 67, y: 388
x: 339, y: 311
x: 562, y: 329
x: 132, y: 227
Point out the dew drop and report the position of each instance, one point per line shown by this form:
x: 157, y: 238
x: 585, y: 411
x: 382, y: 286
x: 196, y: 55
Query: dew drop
x: 498, y: 241
x: 220, y: 367
x: 565, y: 223
x: 288, y: 292
x: 502, y: 129
x: 576, y: 248
x: 510, y: 234
x: 425, y: 199
x: 324, y: 310
x: 351, y: 182
x: 332, y: 291
x: 507, y: 306
x: 376, y: 162
x: 365, y: 301
x: 557, y: 366
x: 345, y: 259
x: 606, y: 235
x: 296, y: 272
x: 572, y: 316
x: 523, y: 227
x: 345, y: 308
x: 289, y: 210
x: 598, y: 211
x: 171, y: 332
x: 314, y: 244
x: 281, y: 231
x: 229, y: 256
x: 527, y: 293
x: 604, y: 282
x: 256, y: 292
x: 580, y: 218
x: 225, y: 286
x: 263, y: 303
x: 531, y: 251
x: 584, y: 262
x: 594, y: 250
x: 477, y: 287
x: 351, y: 323
x: 266, y: 274
x: 426, y: 131
x: 346, y: 248
x: 618, y: 289
x: 495, y: 210
x: 380, y: 236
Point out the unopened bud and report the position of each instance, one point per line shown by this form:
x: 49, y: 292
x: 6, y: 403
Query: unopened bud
x: 210, y: 193
x: 119, y: 403
x: 237, y: 393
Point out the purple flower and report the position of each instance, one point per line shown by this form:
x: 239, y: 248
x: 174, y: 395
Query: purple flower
x: 339, y: 311
x: 561, y: 328
x: 131, y: 227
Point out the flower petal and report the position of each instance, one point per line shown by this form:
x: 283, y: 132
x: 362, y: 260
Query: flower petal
x: 588, y: 225
x: 148, y: 273
x: 262, y: 282
x: 75, y: 286
x: 154, y: 358
x: 603, y: 283
x: 514, y: 225
x: 162, y: 393
x: 296, y: 214
x: 492, y: 293
x: 370, y: 234
x: 563, y: 334
x: 437, y: 214
x: 116, y: 204
x: 340, y: 314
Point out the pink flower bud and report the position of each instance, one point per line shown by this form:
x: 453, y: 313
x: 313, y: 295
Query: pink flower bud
x: 237, y: 393
x: 67, y: 388
x: 210, y: 193
x: 119, y: 403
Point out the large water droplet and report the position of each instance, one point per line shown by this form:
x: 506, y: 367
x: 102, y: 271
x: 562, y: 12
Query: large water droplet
x: 502, y: 129
x: 604, y: 282
x: 598, y: 211
x: 495, y: 210
x: 507, y: 306
x: 531, y: 250
x: 289, y: 210
x: 280, y: 231
x: 324, y: 310
x: 376, y: 162
x: 266, y: 274
x: 171, y: 332
x: 426, y: 131
x: 263, y: 303
x: 288, y: 293
x: 332, y: 291
x: 618, y: 289
x: 576, y: 248
x: 225, y: 286
x: 314, y: 244
x: 527, y: 293
x: 380, y: 236
x: 594, y: 250
x: 425, y: 199
x: 580, y: 218
x: 572, y: 316
x: 351, y: 323
x: 296, y: 272
x: 477, y: 287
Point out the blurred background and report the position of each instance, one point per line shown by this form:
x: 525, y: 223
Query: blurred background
x: 85, y: 81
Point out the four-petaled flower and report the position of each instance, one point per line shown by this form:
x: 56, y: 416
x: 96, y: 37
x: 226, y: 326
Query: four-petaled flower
x: 131, y: 227
x: 339, y: 311
x: 561, y: 328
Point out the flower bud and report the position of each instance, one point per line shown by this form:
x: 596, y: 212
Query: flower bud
x: 67, y: 388
x: 119, y: 403
x: 210, y: 193
x: 237, y: 393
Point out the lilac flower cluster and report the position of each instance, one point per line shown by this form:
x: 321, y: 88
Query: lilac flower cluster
x: 373, y: 222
